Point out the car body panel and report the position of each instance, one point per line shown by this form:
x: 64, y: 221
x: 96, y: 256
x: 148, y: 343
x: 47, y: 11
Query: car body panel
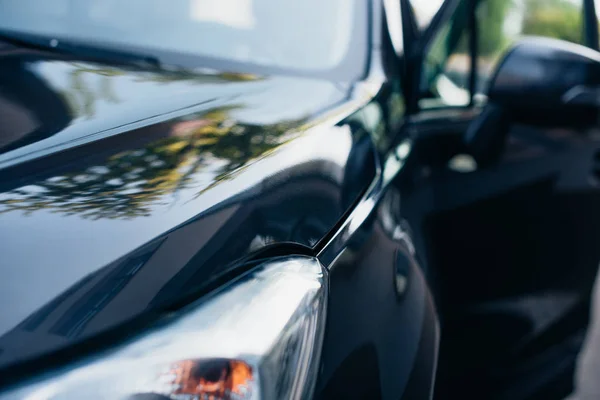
x: 379, y: 307
x: 125, y: 208
x: 153, y: 188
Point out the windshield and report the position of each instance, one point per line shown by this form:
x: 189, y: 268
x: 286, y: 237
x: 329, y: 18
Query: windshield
x: 308, y: 35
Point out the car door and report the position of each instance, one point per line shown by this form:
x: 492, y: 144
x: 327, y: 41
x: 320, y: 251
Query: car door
x: 510, y: 235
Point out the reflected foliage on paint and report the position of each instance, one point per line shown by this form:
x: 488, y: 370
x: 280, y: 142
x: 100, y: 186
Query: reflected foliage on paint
x: 194, y: 153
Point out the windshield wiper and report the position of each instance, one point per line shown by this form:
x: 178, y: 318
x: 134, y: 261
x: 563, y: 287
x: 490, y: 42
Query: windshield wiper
x: 85, y: 50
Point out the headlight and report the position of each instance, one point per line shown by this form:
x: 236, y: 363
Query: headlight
x: 259, y: 337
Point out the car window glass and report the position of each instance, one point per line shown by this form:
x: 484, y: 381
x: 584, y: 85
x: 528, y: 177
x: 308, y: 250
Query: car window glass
x: 503, y: 22
x: 597, y: 6
x: 424, y: 11
x: 447, y: 62
x: 393, y: 16
x: 307, y: 35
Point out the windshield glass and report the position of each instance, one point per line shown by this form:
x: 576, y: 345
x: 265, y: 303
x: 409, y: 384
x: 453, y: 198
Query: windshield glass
x: 309, y: 35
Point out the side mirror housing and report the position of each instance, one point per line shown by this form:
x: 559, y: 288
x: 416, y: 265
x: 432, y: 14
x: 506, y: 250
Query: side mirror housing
x: 540, y: 82
x: 545, y: 81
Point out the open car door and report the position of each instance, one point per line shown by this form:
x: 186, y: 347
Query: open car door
x: 512, y: 221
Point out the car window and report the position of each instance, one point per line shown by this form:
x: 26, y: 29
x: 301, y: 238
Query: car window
x: 393, y: 15
x: 447, y: 64
x: 309, y: 35
x: 425, y: 10
x: 500, y: 23
x: 503, y: 22
x: 597, y: 7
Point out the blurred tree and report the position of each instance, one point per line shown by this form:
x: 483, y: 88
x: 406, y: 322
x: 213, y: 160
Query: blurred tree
x: 491, y: 17
x: 560, y: 19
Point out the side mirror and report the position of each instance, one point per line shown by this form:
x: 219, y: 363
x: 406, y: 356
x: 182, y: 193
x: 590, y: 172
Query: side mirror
x: 540, y: 82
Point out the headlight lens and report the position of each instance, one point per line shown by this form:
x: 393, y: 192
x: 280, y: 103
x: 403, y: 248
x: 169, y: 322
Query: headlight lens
x: 257, y: 338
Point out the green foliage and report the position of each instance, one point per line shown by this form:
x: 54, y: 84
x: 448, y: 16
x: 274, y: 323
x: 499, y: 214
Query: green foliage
x: 491, y: 16
x: 560, y: 19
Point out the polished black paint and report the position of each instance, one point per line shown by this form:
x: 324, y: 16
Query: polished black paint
x: 129, y: 215
x: 149, y: 188
x: 378, y: 290
x: 541, y: 82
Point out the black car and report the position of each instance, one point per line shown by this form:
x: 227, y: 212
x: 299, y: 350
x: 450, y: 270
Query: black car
x: 209, y: 199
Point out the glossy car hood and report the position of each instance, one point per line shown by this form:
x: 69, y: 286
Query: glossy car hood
x: 123, y: 190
